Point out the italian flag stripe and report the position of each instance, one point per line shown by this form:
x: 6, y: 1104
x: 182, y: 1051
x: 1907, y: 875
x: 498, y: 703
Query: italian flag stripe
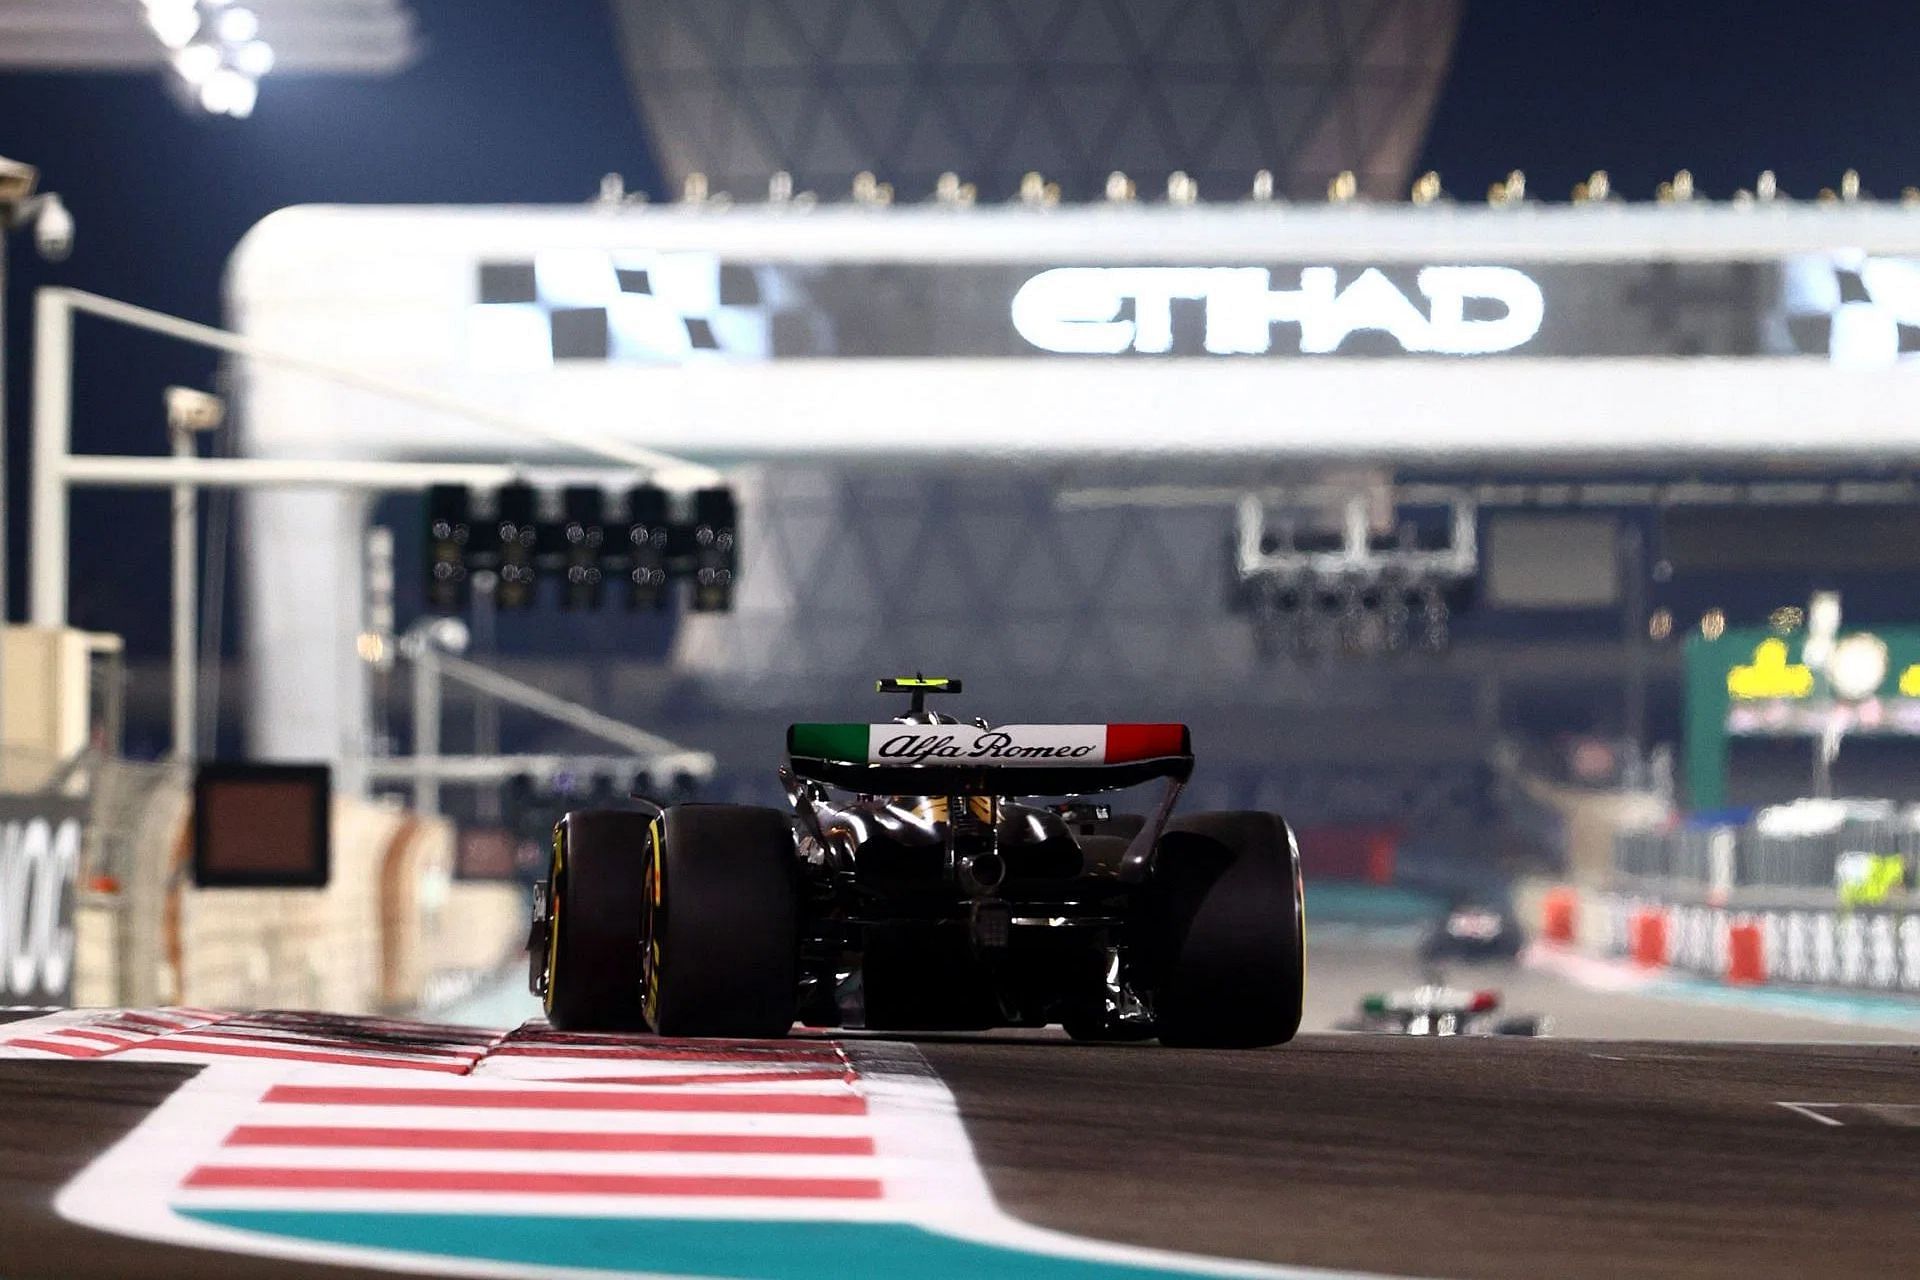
x: 1127, y: 742
x: 845, y: 742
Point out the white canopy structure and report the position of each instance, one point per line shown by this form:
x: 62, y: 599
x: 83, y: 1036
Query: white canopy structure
x: 1601, y: 336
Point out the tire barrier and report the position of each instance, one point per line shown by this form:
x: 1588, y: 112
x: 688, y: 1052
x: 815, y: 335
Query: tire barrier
x: 1858, y: 950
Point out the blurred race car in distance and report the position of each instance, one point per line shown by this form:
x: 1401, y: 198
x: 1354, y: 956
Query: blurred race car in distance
x: 1475, y: 930
x: 1433, y: 1010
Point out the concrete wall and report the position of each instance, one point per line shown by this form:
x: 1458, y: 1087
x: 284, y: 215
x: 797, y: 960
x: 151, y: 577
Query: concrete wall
x: 391, y: 926
x: 368, y: 943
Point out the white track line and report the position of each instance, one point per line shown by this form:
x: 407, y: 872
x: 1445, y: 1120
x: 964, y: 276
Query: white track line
x: 1807, y: 1109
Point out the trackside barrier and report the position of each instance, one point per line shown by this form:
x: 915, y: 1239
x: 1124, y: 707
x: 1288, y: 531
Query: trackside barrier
x: 1866, y: 949
x: 390, y: 923
x: 1746, y: 953
x: 1559, y: 916
x: 390, y: 929
x: 1649, y: 937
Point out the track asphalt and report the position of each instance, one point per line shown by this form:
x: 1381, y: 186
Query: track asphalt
x: 1459, y: 1158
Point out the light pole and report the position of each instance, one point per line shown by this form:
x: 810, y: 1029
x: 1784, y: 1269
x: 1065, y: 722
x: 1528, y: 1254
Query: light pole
x: 52, y: 227
x: 53, y: 236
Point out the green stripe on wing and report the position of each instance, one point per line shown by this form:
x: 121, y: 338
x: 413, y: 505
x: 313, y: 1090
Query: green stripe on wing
x: 846, y: 742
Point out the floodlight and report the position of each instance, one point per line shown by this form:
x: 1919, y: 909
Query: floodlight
x: 255, y: 57
x: 1858, y: 666
x: 196, y: 64
x: 645, y: 550
x: 174, y: 24
x: 582, y: 536
x: 449, y: 533
x: 518, y: 528
x: 237, y: 25
x: 715, y: 549
x: 53, y: 228
x: 190, y: 409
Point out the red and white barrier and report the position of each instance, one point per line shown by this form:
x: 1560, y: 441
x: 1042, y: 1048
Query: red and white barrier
x: 1870, y: 949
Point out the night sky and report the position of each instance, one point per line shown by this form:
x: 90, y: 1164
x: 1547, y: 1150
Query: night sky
x: 525, y: 101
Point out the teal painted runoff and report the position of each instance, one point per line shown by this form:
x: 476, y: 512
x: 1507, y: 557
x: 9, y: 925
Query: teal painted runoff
x: 735, y: 1248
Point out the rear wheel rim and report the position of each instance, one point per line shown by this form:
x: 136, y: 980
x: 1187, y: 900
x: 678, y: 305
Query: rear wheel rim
x: 653, y: 915
x: 555, y: 892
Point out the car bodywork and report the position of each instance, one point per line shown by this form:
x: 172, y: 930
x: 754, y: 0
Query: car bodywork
x: 929, y: 873
x: 1475, y: 929
x: 1435, y: 1010
x: 935, y: 833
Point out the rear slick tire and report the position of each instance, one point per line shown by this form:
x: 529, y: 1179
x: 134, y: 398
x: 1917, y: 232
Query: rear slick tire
x: 593, y: 981
x: 1227, y: 930
x: 720, y: 942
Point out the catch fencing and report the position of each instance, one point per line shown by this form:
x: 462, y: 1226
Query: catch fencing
x: 1753, y: 903
x: 1732, y: 857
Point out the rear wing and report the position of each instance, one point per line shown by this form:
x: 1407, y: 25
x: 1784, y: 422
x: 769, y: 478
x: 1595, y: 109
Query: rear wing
x: 1012, y: 759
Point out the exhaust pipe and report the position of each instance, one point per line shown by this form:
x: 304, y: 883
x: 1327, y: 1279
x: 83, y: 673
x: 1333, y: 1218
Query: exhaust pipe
x: 982, y: 873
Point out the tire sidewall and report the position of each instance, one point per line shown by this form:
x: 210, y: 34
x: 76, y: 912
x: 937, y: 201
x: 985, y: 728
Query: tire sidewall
x: 595, y: 896
x: 720, y: 935
x: 1226, y: 931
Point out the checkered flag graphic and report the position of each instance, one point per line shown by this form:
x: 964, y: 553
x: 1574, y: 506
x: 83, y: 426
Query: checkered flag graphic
x: 640, y: 307
x: 1856, y: 309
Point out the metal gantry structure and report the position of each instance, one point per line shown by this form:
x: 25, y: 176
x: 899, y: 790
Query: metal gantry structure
x: 57, y: 471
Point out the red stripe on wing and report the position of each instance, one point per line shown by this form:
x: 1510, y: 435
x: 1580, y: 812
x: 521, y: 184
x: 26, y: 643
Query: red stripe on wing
x: 1127, y: 742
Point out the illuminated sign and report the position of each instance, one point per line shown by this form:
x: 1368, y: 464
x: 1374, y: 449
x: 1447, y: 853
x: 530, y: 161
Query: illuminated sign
x: 1770, y: 675
x: 1754, y: 683
x: 642, y: 305
x: 1868, y: 308
x: 1080, y: 310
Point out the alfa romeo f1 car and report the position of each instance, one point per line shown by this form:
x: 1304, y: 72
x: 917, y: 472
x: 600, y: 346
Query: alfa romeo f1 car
x: 932, y: 874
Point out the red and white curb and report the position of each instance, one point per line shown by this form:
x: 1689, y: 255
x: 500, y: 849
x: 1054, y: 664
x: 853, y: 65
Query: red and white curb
x: 314, y: 1113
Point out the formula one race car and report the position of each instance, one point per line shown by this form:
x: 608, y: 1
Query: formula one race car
x: 1440, y: 1011
x: 1475, y: 929
x: 935, y: 894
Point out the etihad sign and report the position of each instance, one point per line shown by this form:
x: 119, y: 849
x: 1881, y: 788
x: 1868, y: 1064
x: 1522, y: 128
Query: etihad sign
x: 1083, y: 310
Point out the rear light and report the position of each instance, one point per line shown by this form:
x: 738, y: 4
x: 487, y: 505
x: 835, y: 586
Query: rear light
x: 1484, y: 1002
